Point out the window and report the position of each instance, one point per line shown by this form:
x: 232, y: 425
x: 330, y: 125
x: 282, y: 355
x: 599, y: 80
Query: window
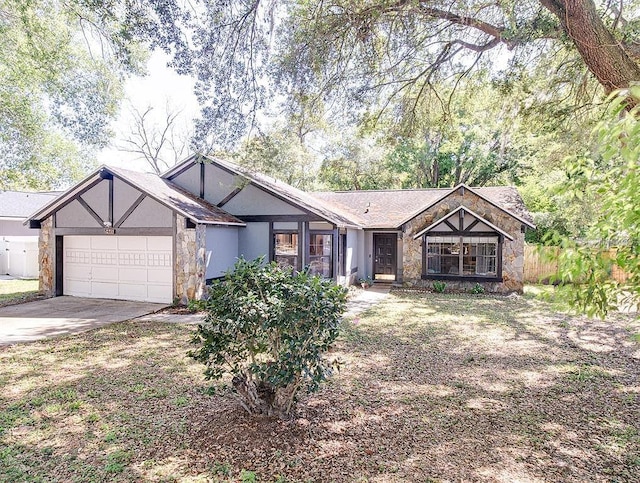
x: 286, y: 252
x: 321, y: 254
x: 462, y: 256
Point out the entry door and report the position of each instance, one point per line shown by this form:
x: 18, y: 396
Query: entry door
x: 384, y: 249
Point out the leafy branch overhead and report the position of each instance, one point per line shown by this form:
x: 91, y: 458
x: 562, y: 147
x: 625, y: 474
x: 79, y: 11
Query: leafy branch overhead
x: 367, y: 56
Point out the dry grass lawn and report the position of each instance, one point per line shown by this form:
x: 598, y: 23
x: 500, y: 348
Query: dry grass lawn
x: 17, y: 290
x: 434, y: 388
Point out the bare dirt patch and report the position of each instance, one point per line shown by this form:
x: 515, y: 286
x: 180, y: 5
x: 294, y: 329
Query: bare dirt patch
x: 434, y: 388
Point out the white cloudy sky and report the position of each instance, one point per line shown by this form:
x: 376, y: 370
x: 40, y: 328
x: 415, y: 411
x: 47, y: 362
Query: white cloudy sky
x: 161, y: 86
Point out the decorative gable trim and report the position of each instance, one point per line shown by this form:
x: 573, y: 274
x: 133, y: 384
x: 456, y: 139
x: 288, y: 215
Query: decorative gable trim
x: 461, y: 210
x: 462, y: 187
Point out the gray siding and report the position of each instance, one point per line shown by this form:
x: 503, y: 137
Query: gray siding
x: 190, y: 179
x: 124, y: 195
x: 149, y: 214
x: 98, y: 199
x: 254, y: 201
x: 222, y: 250
x: 74, y: 215
x: 218, y: 183
x: 253, y: 241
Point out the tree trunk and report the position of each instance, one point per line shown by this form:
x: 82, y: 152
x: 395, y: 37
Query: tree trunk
x: 605, y: 57
x: 261, y: 398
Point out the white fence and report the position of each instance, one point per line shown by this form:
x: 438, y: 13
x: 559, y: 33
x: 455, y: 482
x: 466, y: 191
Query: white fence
x: 19, y: 256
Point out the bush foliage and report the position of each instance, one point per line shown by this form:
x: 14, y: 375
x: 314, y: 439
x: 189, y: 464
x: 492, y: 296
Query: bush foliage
x: 269, y: 328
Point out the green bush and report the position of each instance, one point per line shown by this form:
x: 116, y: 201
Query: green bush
x: 477, y: 289
x: 439, y: 286
x: 269, y: 328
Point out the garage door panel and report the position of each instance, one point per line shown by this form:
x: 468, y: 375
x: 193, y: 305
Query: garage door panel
x: 158, y: 275
x: 79, y: 288
x: 119, y: 267
x: 78, y: 242
x: 104, y: 274
x: 158, y: 293
x: 132, y: 275
x: 104, y: 243
x: 133, y: 291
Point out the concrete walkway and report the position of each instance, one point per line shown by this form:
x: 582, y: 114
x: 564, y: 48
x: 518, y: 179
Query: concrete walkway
x: 358, y: 302
x: 365, y: 299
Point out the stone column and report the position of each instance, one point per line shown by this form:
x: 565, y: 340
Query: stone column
x: 190, y: 263
x: 47, y: 257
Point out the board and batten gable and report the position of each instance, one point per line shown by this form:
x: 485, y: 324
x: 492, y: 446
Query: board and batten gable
x: 148, y: 214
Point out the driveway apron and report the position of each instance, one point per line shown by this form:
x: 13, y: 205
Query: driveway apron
x: 65, y: 315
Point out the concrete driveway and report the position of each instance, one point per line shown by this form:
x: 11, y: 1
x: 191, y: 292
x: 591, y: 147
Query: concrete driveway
x: 65, y: 315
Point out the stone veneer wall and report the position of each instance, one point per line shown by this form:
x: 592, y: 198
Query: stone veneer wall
x: 47, y: 257
x: 512, y: 251
x: 190, y: 263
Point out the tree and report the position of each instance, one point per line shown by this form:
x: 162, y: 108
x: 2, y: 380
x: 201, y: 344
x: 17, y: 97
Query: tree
x: 269, y: 329
x: 62, y: 65
x: 161, y: 145
x: 353, y: 56
x: 610, y: 180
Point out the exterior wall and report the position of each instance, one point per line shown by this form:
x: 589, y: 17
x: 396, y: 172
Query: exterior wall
x: 98, y: 199
x: 124, y: 195
x: 361, y: 253
x: 254, y: 201
x: 190, y: 261
x: 253, y: 241
x: 512, y: 251
x: 74, y: 215
x: 351, y: 254
x: 16, y: 228
x: 189, y: 179
x: 47, y: 257
x: 148, y: 214
x: 222, y: 250
x: 218, y: 183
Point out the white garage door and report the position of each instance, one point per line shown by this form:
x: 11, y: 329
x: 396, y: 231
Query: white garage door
x: 119, y: 267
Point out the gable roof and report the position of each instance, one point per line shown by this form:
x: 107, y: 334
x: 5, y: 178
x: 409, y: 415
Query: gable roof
x: 333, y: 213
x: 163, y: 191
x: 20, y: 204
x: 394, y: 208
x: 467, y: 210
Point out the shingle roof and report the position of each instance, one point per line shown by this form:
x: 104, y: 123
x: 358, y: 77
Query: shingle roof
x: 329, y: 211
x: 176, y: 197
x: 392, y: 208
x: 20, y: 204
x: 162, y: 190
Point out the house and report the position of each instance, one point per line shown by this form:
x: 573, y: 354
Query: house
x: 19, y: 244
x: 128, y: 235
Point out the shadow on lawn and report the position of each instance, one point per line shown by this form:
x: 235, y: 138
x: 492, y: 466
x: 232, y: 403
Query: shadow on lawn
x: 433, y: 387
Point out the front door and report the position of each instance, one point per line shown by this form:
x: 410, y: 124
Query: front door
x: 384, y: 250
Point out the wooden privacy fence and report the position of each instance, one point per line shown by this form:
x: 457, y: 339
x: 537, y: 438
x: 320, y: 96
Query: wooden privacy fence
x: 538, y: 268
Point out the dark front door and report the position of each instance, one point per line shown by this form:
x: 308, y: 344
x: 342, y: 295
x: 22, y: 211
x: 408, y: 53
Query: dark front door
x: 384, y: 250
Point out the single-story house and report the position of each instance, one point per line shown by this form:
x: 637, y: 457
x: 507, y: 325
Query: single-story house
x: 19, y: 244
x: 128, y: 235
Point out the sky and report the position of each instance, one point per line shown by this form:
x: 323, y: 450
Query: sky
x: 160, y: 86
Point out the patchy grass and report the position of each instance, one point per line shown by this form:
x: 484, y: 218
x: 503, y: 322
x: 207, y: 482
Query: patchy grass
x: 13, y: 291
x: 435, y: 387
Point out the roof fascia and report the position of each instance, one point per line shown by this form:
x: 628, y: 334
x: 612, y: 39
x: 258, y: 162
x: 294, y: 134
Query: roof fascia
x: 450, y: 214
x: 67, y: 197
x: 181, y: 167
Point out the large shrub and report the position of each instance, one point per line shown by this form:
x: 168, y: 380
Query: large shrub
x: 269, y: 328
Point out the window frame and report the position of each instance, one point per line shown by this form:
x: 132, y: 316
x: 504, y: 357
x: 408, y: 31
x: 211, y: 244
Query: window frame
x: 332, y: 255
x: 274, y: 255
x: 463, y: 238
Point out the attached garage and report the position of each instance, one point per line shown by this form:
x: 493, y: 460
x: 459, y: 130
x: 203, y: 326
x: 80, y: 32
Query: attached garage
x: 125, y: 235
x: 119, y: 267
